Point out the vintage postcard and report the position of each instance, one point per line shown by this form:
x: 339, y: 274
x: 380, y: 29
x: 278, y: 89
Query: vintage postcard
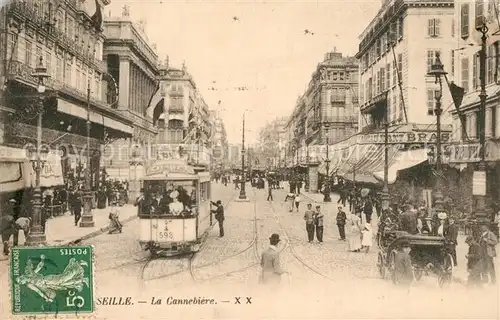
x: 249, y: 159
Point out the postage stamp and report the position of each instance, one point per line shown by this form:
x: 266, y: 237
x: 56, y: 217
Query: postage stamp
x: 52, y: 280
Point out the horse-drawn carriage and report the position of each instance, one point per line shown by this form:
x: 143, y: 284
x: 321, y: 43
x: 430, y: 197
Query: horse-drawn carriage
x: 429, y: 255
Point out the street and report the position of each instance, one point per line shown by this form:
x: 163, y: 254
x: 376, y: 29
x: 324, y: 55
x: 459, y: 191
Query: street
x: 324, y: 279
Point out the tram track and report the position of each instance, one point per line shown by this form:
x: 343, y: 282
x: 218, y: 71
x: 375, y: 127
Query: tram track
x: 291, y: 246
x: 191, y: 257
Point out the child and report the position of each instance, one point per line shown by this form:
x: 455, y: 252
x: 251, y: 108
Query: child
x: 473, y: 262
x: 366, y: 241
x: 403, y: 270
x: 296, y: 200
x: 114, y: 222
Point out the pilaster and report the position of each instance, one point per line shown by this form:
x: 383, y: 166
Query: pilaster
x: 123, y: 98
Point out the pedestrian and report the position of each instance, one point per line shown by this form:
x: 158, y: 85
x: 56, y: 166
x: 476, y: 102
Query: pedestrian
x: 269, y: 192
x: 309, y: 218
x: 24, y: 224
x: 270, y: 263
x: 219, y: 216
x: 7, y: 228
x: 451, y: 236
x: 368, y: 210
x: 366, y: 241
x: 488, y: 242
x: 318, y: 221
x: 291, y: 197
x: 354, y: 237
x: 341, y: 218
x: 114, y: 221
x: 408, y: 220
x: 296, y: 200
x: 474, y: 262
x: 77, y: 208
x: 403, y: 270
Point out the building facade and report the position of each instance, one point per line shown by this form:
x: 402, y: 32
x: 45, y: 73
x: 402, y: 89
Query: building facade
x: 220, y: 147
x: 326, y: 112
x: 272, y: 142
x: 181, y: 115
x: 467, y: 122
x: 67, y: 38
x: 133, y: 62
x: 234, y: 155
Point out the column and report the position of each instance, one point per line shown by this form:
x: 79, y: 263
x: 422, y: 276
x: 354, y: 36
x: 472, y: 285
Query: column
x: 123, y: 97
x: 313, y: 178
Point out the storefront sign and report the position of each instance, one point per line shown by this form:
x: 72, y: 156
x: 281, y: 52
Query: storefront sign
x: 403, y: 137
x: 479, y: 183
x: 469, y: 152
x: 169, y: 168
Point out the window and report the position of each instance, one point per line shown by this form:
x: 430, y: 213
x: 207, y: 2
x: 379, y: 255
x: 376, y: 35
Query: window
x: 28, y: 54
x: 341, y: 76
x: 389, y: 108
x: 176, y: 103
x: 48, y: 61
x: 465, y: 74
x: 59, y: 68
x: 38, y: 55
x: 382, y: 79
x: 400, y: 27
x: 464, y: 20
x: 431, y: 58
x: 490, y: 64
x: 67, y: 73
x: 70, y: 28
x: 12, y: 47
x: 493, y: 122
x: 60, y: 20
x: 388, y: 75
x: 376, y: 81
x: 433, y: 27
x: 370, y: 89
x: 479, y: 12
x: 394, y: 72
x: 475, y: 71
x: 400, y: 67
x: 452, y: 63
x: 431, y: 101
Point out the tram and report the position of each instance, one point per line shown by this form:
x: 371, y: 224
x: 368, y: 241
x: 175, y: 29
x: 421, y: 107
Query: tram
x: 174, y: 209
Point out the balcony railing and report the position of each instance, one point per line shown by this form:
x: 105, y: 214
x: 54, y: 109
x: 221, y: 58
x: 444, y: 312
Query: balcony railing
x: 20, y: 71
x: 176, y: 109
x: 341, y: 119
x: 39, y: 21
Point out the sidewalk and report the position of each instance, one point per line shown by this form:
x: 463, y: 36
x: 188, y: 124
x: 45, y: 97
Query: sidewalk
x: 62, y: 230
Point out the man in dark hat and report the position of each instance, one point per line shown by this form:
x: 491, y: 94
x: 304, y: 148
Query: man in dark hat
x: 219, y: 216
x: 402, y: 265
x: 270, y: 262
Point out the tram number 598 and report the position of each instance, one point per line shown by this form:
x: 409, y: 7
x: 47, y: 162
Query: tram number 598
x: 165, y: 235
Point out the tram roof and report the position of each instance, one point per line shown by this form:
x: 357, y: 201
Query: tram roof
x: 169, y: 170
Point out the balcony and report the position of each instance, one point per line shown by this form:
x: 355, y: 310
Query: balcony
x: 340, y: 119
x: 377, y: 102
x: 176, y: 109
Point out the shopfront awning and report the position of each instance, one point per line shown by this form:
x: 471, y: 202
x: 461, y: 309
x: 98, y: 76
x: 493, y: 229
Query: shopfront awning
x: 13, y: 164
x: 405, y: 160
x: 80, y: 112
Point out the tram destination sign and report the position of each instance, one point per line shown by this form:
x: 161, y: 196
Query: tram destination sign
x: 403, y: 138
x: 169, y: 168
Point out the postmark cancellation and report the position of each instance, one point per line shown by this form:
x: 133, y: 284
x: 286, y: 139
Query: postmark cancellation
x: 52, y: 281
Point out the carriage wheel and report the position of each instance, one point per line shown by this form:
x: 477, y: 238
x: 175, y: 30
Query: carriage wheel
x: 381, y: 265
x: 392, y: 266
x: 447, y: 273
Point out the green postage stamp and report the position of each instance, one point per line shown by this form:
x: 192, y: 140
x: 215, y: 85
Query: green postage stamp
x: 52, y: 280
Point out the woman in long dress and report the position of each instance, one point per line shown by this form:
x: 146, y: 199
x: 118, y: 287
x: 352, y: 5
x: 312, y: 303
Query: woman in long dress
x: 354, y: 236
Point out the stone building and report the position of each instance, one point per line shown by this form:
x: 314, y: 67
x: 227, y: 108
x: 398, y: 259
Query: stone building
x: 329, y: 107
x: 220, y: 148
x: 132, y: 60
x: 67, y: 38
x: 272, y: 142
x: 181, y: 115
x: 467, y: 122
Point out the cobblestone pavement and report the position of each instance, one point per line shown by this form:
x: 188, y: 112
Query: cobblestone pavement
x: 348, y: 286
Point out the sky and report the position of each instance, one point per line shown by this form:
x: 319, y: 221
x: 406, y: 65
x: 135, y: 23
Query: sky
x: 265, y: 49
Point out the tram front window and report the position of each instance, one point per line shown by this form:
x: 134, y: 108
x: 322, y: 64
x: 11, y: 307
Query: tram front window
x: 175, y: 198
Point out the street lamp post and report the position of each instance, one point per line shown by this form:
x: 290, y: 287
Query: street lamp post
x: 326, y: 191
x: 243, y: 194
x: 384, y: 197
x: 307, y: 163
x: 87, y: 218
x: 438, y: 71
x: 481, y: 211
x: 37, y: 236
